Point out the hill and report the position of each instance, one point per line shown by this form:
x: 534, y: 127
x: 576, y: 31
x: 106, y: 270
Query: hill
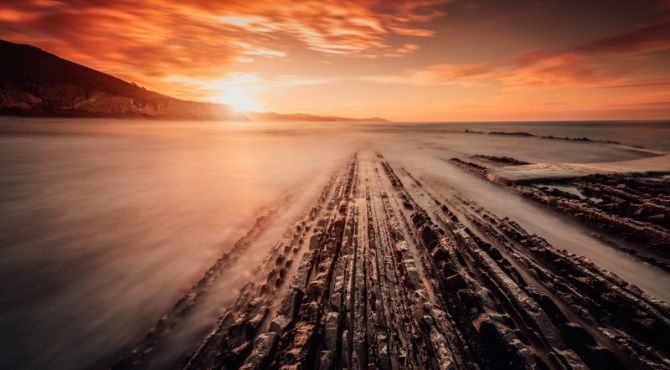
x: 34, y: 82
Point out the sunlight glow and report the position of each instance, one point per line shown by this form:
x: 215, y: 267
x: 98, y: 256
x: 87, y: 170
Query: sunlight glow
x: 238, y: 99
x: 237, y: 91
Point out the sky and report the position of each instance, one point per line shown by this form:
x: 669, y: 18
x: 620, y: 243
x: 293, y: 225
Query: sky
x: 422, y: 60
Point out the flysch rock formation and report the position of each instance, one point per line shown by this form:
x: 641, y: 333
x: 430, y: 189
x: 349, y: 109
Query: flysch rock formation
x: 383, y: 273
x: 562, y: 171
x: 632, y: 205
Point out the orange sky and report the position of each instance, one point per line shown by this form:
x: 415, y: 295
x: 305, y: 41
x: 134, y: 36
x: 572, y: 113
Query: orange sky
x: 403, y: 60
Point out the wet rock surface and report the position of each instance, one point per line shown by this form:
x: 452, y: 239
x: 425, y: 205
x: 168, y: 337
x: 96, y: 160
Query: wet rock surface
x: 634, y: 207
x: 504, y: 160
x: 548, y: 137
x: 383, y: 273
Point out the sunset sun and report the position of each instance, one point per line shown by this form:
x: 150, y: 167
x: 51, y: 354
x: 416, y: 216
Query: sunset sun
x: 237, y: 91
x: 239, y: 100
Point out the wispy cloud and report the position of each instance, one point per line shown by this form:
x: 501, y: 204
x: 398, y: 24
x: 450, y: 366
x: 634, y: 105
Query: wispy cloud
x: 440, y: 74
x: 336, y: 27
x: 604, y: 63
x: 148, y: 40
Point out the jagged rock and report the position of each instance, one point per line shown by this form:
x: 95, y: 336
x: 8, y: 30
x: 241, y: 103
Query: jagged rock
x: 391, y: 285
x: 428, y: 237
x: 301, y: 345
x: 331, y: 332
x: 287, y: 310
x: 326, y: 360
x: 505, y: 350
x: 259, y: 358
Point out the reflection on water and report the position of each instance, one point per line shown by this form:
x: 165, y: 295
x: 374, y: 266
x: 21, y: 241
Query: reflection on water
x: 105, y: 223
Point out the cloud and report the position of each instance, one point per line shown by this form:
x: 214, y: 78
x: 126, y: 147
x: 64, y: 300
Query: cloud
x: 336, y: 27
x: 646, y: 39
x: 197, y: 37
x: 615, y: 61
x: 340, y: 27
x: 440, y: 74
x: 623, y: 60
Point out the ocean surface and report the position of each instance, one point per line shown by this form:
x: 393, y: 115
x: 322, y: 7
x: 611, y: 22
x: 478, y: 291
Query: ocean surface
x: 648, y: 134
x: 105, y: 223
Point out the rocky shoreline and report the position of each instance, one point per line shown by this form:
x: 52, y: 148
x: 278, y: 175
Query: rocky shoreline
x: 632, y: 206
x: 548, y: 137
x: 382, y: 272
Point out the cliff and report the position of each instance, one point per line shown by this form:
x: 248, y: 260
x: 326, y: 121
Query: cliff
x: 34, y: 82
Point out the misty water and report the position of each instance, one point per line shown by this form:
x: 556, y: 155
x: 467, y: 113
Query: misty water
x: 104, y: 224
